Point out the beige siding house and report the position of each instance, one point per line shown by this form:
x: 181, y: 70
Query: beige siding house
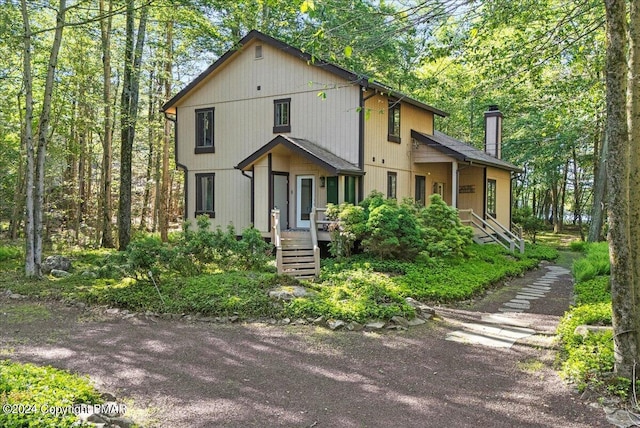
x: 266, y: 126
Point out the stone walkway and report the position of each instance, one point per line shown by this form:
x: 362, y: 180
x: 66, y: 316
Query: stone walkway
x: 506, y: 327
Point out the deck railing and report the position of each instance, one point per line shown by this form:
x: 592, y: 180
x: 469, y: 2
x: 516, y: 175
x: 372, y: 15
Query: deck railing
x: 492, y: 230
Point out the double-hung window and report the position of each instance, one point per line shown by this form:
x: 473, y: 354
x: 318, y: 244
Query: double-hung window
x: 204, y: 131
x: 282, y: 115
x: 394, y: 121
x: 205, y: 193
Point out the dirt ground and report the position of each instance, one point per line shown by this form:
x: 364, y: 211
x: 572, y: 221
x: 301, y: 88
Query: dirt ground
x: 178, y: 374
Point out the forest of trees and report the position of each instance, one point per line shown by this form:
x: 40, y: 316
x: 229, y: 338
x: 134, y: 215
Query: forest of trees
x: 83, y: 137
x: 86, y: 156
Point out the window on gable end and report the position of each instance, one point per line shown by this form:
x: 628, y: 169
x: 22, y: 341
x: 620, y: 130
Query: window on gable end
x: 204, y: 131
x: 491, y: 198
x: 394, y: 121
x: 282, y: 115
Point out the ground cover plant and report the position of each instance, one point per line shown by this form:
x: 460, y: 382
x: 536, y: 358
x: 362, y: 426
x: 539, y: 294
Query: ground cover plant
x: 587, y: 360
x: 352, y: 289
x: 30, y: 396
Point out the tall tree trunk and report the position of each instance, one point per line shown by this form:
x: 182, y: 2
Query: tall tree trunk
x: 577, y: 193
x: 599, y: 189
x: 151, y: 137
x: 166, y: 141
x: 43, y: 135
x: 129, y: 113
x: 30, y: 258
x: 19, y: 192
x: 633, y: 120
x: 107, y: 150
x: 622, y: 293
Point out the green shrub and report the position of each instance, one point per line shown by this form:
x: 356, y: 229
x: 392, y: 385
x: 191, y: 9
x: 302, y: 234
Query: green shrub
x: 530, y: 224
x: 587, y: 362
x: 349, y: 225
x: 41, y: 388
x: 393, y: 232
x: 444, y: 234
x: 254, y: 252
x: 578, y: 246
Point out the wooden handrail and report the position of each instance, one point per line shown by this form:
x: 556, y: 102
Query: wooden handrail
x: 501, y: 232
x: 275, y: 228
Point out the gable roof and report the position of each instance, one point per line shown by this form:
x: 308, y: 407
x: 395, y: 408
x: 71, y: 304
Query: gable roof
x: 461, y: 151
x: 350, y: 76
x: 305, y: 148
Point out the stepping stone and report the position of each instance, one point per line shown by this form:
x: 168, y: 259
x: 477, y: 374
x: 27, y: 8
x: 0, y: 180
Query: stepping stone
x: 510, y: 310
x: 496, y: 336
x: 505, y: 319
x: 519, y: 301
x: 533, y: 291
x: 526, y: 297
x: 517, y: 305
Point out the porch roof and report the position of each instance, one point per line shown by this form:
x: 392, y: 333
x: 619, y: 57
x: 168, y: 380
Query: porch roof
x: 305, y: 148
x: 461, y: 151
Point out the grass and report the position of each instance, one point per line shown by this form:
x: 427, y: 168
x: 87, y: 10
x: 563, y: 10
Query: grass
x: 31, y: 393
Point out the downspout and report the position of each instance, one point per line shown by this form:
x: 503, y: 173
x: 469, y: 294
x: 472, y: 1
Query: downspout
x: 174, y: 119
x: 363, y: 100
x: 250, y: 177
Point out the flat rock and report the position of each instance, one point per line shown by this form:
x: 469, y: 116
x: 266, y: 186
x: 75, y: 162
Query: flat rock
x: 416, y: 321
x: 398, y: 320
x: 57, y: 273
x: 584, y: 330
x: 375, y: 325
x: 335, y: 324
x: 354, y: 326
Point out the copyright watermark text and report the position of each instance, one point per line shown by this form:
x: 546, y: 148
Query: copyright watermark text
x: 76, y: 409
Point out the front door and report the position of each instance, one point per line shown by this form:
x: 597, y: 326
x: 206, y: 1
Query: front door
x: 281, y: 197
x: 305, y: 198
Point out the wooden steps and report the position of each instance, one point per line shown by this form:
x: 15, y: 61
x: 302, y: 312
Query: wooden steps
x: 297, y: 255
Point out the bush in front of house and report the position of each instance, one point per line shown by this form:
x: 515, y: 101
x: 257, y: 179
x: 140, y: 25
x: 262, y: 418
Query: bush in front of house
x: 401, y: 231
x: 530, y: 224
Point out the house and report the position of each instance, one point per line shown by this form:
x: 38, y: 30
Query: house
x: 267, y: 126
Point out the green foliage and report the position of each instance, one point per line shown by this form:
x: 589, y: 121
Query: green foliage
x: 530, y: 224
x: 596, y: 290
x: 254, y: 251
x: 353, y: 294
x: 349, y: 226
x: 41, y: 388
x: 586, y: 359
x: 444, y: 234
x: 393, y: 232
x: 9, y: 253
x: 594, y: 263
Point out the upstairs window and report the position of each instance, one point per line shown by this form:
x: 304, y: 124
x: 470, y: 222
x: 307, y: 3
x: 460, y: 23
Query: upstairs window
x: 204, y: 131
x: 258, y: 52
x: 421, y: 190
x: 394, y: 121
x: 282, y: 115
x: 205, y: 194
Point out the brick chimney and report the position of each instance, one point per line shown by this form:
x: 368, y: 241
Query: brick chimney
x: 493, y: 131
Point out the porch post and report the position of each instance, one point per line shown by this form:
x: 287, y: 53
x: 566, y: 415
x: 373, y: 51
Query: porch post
x: 454, y: 184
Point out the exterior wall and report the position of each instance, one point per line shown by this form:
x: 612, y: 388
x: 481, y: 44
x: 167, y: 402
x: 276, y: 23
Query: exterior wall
x: 434, y: 173
x: 242, y: 92
x: 382, y: 156
x: 503, y: 194
x: 472, y: 177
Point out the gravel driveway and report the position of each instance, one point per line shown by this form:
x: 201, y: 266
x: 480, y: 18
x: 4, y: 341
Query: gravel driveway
x: 177, y: 375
